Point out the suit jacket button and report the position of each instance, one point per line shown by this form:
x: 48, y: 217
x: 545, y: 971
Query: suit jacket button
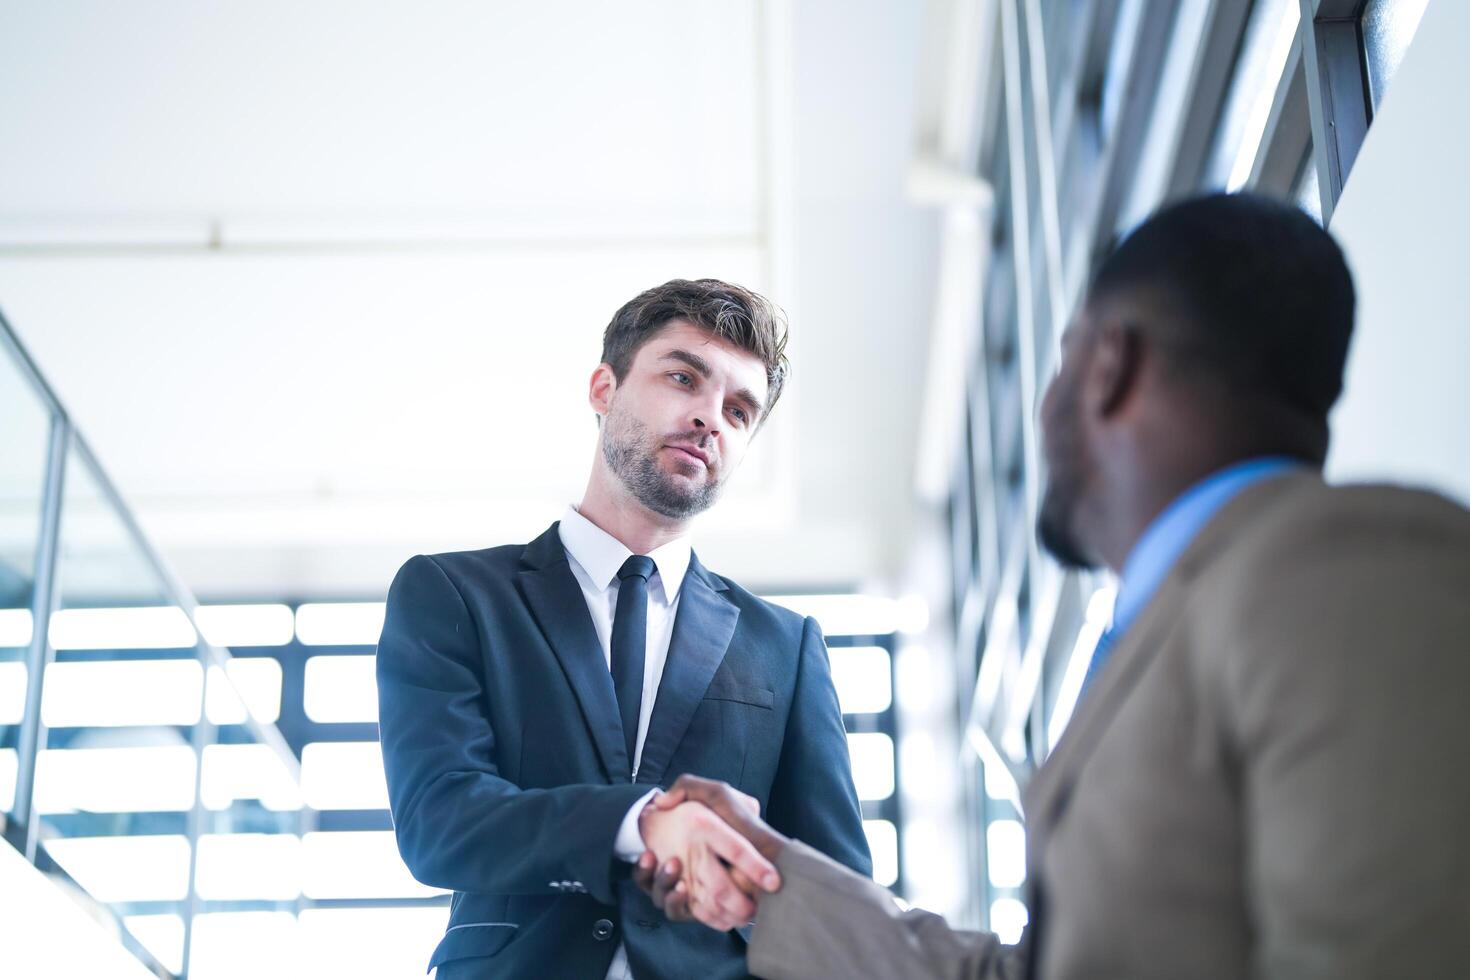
x: 602, y: 929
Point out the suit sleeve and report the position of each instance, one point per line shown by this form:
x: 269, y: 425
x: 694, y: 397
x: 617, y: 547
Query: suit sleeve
x: 828, y: 922
x: 460, y: 825
x: 813, y: 798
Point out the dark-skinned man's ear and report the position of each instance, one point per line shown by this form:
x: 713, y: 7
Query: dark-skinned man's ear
x: 1115, y: 364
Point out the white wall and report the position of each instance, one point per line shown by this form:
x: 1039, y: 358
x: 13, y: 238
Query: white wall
x: 1404, y: 220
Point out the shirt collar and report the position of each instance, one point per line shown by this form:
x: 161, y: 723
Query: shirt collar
x: 601, y: 555
x: 1152, y: 558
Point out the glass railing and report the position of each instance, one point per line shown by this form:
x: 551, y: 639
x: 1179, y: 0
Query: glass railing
x: 140, y: 765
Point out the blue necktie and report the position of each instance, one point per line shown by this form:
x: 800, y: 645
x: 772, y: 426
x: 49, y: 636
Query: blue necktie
x: 630, y: 644
x: 1099, y: 655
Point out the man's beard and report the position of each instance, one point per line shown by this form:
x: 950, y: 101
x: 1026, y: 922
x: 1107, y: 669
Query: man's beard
x: 631, y: 452
x: 1056, y: 524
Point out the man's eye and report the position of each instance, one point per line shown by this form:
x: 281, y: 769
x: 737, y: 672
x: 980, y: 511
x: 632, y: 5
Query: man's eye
x: 739, y: 413
x: 681, y: 378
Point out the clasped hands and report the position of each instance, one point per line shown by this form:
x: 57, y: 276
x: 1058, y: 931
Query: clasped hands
x: 709, y: 854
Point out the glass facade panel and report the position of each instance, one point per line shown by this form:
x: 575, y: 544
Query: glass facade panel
x: 25, y: 434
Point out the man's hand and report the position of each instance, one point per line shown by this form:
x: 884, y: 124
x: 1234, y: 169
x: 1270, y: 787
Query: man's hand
x: 662, y: 875
x: 710, y: 855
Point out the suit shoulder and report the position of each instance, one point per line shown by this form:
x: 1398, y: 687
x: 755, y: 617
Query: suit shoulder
x: 475, y: 565
x: 1340, y: 562
x: 761, y: 612
x: 1353, y: 523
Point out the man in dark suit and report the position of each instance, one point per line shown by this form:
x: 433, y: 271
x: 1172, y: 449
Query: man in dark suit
x: 1266, y: 774
x: 534, y: 698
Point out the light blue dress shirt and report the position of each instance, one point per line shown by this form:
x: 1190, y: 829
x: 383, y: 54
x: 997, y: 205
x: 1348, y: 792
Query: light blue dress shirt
x: 1170, y: 534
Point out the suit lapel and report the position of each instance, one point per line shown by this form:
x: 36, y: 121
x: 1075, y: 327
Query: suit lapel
x: 702, y: 631
x: 1049, y: 789
x: 1100, y: 704
x: 555, y: 598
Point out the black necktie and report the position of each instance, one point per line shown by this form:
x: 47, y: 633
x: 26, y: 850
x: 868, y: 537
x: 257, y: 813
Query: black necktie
x: 630, y: 644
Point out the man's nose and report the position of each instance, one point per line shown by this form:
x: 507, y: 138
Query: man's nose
x: 706, y: 421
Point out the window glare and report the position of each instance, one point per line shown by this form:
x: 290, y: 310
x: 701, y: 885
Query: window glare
x: 1387, y: 29
x: 126, y: 869
x: 872, y: 764
x: 247, y: 772
x: 246, y: 866
x: 161, y: 935
x: 342, y: 688
x: 130, y: 779
x: 863, y: 677
x: 883, y: 844
x: 255, y: 679
x: 82, y: 694
x: 13, y: 677
x: 357, y: 864
x: 243, y: 946
x: 370, y: 944
x: 343, y: 776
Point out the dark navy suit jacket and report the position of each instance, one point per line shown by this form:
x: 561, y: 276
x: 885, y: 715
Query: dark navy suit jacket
x: 508, y: 776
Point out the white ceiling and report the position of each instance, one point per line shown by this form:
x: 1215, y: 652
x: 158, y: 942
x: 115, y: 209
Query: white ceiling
x: 323, y: 283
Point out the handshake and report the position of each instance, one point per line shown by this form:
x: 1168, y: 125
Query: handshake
x: 709, y: 854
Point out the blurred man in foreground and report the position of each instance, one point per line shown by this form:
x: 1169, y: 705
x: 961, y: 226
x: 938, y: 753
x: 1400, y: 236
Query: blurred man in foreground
x: 535, y: 697
x: 1266, y: 775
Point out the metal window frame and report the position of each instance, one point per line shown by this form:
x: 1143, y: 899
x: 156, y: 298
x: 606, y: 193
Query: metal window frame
x: 1338, y: 97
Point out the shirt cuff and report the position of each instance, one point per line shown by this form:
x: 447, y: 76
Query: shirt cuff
x: 628, y: 845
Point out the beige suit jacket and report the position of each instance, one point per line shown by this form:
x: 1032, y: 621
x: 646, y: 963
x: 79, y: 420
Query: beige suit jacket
x: 1269, y: 778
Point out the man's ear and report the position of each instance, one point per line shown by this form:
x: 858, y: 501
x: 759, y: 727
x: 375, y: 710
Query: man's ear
x: 1115, y: 365
x: 600, y: 389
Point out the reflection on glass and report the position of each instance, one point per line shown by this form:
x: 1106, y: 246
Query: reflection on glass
x: 1388, y: 27
x: 25, y: 434
x: 161, y: 935
x: 118, y: 779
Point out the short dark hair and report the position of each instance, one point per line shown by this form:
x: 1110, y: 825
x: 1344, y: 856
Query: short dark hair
x: 733, y: 313
x: 1266, y: 295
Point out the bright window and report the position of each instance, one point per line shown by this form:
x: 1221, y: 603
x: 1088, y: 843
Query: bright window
x: 863, y: 677
x: 872, y: 764
x: 883, y: 844
x: 247, y: 772
x: 126, y: 869
x: 83, y: 694
x: 342, y: 688
x: 129, y: 779
x: 244, y: 946
x: 357, y: 864
x: 343, y: 776
x: 245, y: 866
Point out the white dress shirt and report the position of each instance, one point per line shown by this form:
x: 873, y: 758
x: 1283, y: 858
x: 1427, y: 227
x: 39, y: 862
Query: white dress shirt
x: 595, y: 557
